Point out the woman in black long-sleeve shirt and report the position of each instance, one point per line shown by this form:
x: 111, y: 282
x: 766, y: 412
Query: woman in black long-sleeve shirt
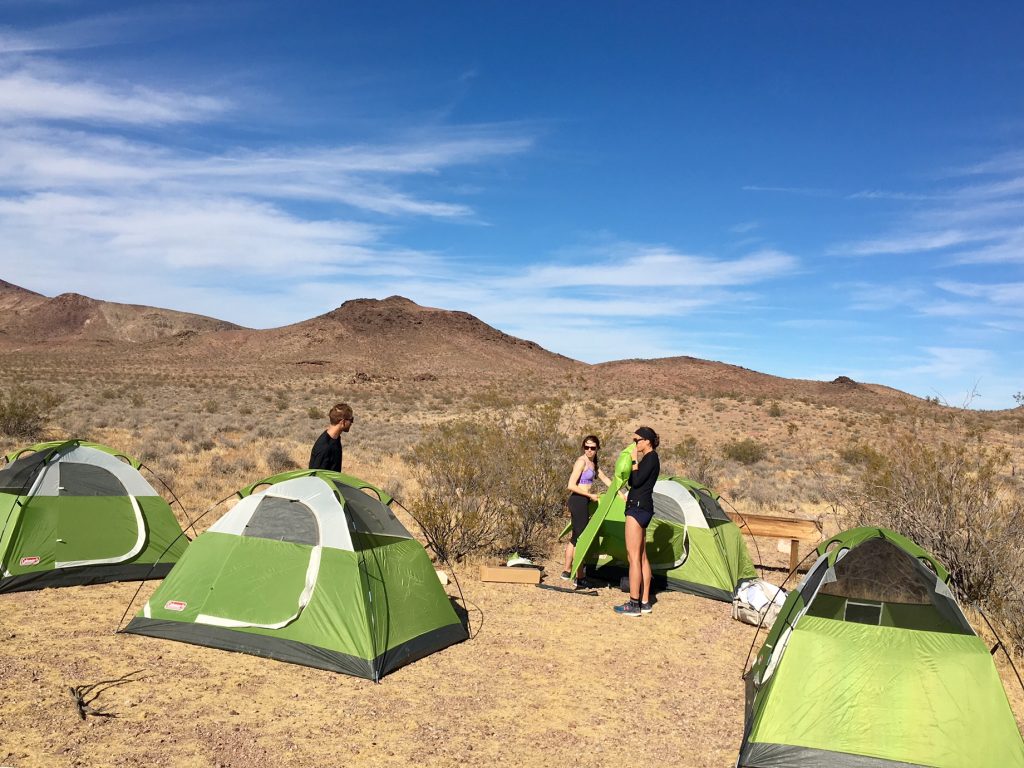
x: 639, y: 511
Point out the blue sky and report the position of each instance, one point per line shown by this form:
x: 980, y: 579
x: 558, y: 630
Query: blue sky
x: 806, y: 189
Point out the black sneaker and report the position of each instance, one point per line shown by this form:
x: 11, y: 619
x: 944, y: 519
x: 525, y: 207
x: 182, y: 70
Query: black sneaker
x: 628, y: 608
x: 583, y: 584
x: 646, y: 607
x: 566, y: 576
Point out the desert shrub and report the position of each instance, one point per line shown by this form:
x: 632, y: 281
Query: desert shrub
x: 314, y: 412
x: 491, y: 484
x: 279, y: 460
x: 758, y: 492
x: 774, y: 410
x: 745, y: 451
x: 241, y: 469
x: 536, y: 462
x: 948, y: 496
x: 211, y: 406
x: 23, y: 410
x: 458, y: 507
x: 861, y: 454
x: 695, y: 461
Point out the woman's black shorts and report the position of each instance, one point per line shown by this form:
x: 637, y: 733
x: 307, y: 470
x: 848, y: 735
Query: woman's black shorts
x: 579, y: 513
x: 642, y: 516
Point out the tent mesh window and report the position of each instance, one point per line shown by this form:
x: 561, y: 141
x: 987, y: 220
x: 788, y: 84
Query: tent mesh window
x: 283, y: 520
x: 88, y: 480
x: 712, y: 509
x: 667, y: 508
x: 863, y: 613
x: 879, y: 583
x: 878, y: 571
x: 17, y: 477
x: 369, y: 515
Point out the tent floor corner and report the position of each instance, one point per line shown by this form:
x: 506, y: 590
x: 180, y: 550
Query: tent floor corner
x: 86, y: 575
x: 758, y: 755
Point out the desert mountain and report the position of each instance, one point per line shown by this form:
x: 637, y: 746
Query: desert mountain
x: 708, y: 378
x: 390, y: 339
x: 387, y: 340
x: 28, y: 318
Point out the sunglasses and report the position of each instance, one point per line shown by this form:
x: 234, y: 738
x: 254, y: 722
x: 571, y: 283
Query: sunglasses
x: 638, y: 439
x: 589, y: 447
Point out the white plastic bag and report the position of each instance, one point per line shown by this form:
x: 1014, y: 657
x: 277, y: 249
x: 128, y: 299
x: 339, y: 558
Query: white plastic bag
x: 758, y: 602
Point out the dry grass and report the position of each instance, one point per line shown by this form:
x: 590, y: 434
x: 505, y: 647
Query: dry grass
x: 545, y: 682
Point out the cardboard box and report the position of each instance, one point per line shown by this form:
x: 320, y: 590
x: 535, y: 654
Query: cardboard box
x: 508, y: 575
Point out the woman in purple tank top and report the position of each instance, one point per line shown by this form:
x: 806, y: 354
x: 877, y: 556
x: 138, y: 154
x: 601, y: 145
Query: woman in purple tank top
x: 583, y: 473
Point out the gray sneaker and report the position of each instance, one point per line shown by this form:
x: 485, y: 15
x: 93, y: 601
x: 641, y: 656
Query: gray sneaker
x: 628, y: 608
x: 646, y: 607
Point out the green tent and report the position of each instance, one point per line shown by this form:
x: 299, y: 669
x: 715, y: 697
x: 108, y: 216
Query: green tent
x: 872, y: 664
x: 73, y: 512
x: 311, y: 569
x: 690, y: 541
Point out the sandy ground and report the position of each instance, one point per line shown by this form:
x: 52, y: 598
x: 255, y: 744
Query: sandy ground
x: 549, y: 679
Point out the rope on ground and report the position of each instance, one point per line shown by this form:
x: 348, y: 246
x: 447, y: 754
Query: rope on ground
x: 80, y: 692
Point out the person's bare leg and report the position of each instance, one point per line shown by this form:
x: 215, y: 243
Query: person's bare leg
x: 635, y: 549
x: 645, y: 570
x: 570, y: 550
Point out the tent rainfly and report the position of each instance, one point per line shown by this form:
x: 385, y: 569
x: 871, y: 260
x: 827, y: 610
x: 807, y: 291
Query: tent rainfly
x: 74, y: 513
x: 313, y: 569
x: 872, y: 664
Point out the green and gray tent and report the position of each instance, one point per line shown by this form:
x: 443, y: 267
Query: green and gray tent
x: 872, y: 664
x: 311, y: 569
x: 74, y: 513
x: 690, y: 541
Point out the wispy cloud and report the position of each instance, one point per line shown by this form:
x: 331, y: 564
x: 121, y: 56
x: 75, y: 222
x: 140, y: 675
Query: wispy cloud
x: 36, y: 95
x: 744, y: 227
x: 881, y: 194
x: 804, y: 191
x: 971, y: 214
x: 951, y: 362
x: 908, y: 243
x: 882, y: 296
x: 633, y: 266
x: 83, y: 196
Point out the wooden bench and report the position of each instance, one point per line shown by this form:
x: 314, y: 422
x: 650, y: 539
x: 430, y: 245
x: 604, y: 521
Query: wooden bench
x: 795, y: 529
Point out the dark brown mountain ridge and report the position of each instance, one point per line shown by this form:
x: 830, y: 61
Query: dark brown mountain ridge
x: 392, y: 339
x: 28, y: 318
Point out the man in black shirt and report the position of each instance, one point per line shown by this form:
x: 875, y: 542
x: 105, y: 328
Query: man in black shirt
x: 327, y: 450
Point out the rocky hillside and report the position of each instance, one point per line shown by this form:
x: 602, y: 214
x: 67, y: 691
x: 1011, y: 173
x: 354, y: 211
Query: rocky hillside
x: 28, y: 318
